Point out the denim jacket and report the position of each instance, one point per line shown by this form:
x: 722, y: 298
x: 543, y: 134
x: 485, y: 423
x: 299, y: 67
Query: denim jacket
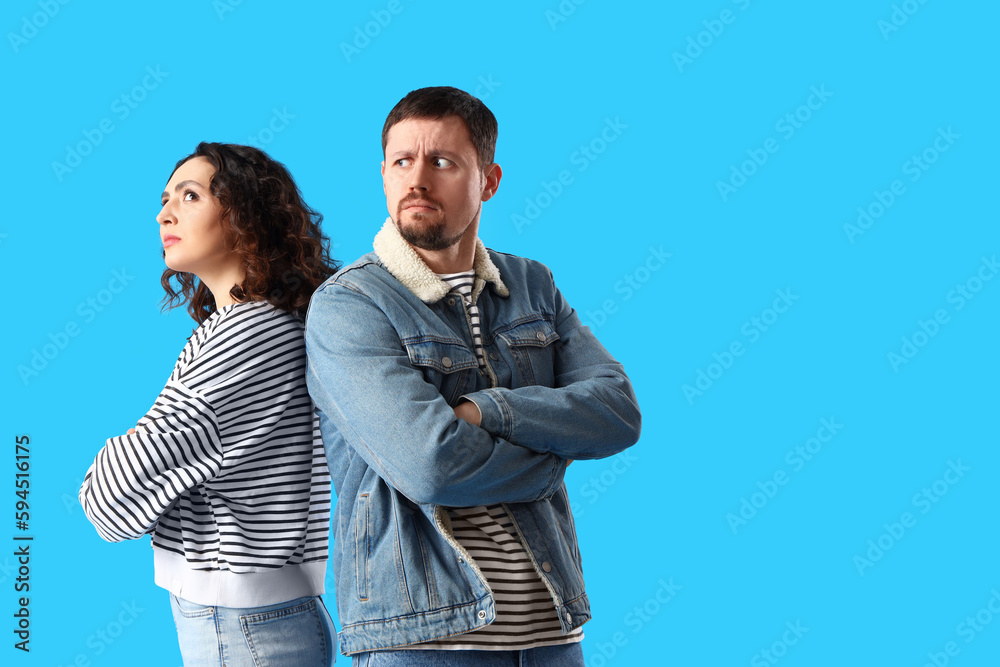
x: 390, y: 353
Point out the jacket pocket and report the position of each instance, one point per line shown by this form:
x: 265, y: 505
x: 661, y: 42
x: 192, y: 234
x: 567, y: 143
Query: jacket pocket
x: 442, y: 363
x: 362, y: 546
x: 532, y: 351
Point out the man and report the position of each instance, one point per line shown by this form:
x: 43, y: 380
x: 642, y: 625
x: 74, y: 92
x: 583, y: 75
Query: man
x: 455, y: 385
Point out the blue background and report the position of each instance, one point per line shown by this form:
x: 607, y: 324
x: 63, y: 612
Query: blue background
x: 647, y: 109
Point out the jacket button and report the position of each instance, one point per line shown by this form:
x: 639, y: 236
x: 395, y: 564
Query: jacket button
x: 494, y: 356
x: 451, y: 302
x: 446, y: 362
x: 540, y: 336
x: 569, y: 618
x: 546, y: 566
x: 481, y: 614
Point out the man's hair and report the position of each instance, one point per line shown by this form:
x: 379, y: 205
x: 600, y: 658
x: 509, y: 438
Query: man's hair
x: 284, y: 252
x: 440, y: 102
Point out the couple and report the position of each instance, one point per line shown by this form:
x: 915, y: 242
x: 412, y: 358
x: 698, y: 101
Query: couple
x: 453, y: 385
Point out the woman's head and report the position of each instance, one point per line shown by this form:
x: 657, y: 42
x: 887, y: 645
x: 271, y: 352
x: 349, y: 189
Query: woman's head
x: 241, y: 223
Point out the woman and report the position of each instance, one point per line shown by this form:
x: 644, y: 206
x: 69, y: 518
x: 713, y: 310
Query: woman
x: 227, y: 471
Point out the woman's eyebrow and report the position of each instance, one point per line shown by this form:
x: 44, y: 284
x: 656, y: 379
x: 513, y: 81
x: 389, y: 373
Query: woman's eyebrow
x: 177, y: 188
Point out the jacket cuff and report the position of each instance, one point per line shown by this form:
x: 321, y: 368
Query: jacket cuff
x: 497, y: 417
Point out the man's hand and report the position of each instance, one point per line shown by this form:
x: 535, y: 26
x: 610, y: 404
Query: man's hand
x: 468, y: 411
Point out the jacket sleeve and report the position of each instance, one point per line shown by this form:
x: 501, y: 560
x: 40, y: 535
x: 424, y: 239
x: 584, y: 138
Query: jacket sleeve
x: 361, y: 377
x: 136, y: 477
x: 591, y: 411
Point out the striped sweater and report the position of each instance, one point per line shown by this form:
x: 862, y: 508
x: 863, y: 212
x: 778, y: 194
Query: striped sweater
x: 226, y: 470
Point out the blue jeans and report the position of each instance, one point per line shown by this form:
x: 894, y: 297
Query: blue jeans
x: 298, y: 632
x: 566, y: 655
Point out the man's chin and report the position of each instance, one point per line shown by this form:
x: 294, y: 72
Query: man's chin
x: 425, y: 237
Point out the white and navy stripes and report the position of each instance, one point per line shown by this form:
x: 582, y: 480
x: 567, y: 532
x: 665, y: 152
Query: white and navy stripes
x: 525, y: 612
x: 461, y: 284
x: 227, y: 469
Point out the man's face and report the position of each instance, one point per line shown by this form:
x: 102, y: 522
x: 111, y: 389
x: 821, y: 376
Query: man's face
x: 434, y: 187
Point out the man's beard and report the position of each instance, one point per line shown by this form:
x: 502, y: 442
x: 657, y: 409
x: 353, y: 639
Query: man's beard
x: 422, y: 233
x: 429, y: 236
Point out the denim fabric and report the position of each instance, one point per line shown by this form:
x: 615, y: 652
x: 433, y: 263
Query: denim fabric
x: 385, y: 370
x: 298, y: 632
x: 567, y: 655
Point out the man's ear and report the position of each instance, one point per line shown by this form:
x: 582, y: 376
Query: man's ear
x: 493, y: 175
x: 383, y: 178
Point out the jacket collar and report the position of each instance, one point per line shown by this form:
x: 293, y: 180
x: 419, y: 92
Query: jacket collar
x: 407, y: 267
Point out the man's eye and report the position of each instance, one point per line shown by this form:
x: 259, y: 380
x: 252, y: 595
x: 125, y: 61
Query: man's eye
x: 403, y: 162
x: 442, y: 162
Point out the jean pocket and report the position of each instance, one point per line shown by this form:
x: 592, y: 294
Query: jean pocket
x: 287, y: 636
x: 189, y: 609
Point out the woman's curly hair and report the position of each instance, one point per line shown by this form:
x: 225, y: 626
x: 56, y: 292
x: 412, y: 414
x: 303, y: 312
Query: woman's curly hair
x: 265, y: 221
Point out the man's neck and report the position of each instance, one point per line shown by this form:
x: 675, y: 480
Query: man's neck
x: 455, y: 258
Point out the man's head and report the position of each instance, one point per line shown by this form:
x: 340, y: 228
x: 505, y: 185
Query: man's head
x: 438, y: 147
x: 441, y: 101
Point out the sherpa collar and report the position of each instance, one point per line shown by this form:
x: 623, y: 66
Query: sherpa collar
x: 407, y: 267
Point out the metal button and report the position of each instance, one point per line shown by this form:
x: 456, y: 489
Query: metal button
x: 569, y: 617
x: 546, y: 566
x: 446, y: 362
x: 540, y: 336
x: 460, y: 559
x: 451, y: 302
x: 481, y: 614
x: 494, y: 356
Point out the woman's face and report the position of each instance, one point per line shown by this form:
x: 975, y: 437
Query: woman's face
x: 190, y: 222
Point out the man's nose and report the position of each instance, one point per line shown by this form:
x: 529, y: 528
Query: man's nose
x: 419, y: 176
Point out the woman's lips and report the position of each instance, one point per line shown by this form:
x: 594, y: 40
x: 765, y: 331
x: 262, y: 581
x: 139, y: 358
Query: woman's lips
x: 170, y: 240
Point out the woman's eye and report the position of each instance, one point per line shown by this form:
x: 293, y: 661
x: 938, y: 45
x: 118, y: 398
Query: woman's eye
x: 190, y: 196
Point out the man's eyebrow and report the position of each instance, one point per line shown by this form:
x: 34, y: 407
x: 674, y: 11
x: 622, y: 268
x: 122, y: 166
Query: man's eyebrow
x: 179, y: 186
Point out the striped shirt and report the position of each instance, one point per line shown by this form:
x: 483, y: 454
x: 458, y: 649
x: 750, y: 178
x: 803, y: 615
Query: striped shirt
x: 525, y: 612
x: 227, y: 470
